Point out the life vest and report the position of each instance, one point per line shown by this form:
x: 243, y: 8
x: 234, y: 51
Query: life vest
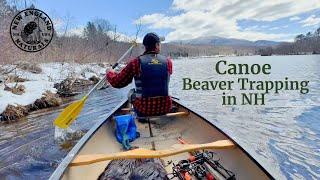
x: 154, y: 76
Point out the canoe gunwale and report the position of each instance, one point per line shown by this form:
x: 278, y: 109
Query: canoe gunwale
x: 59, y: 171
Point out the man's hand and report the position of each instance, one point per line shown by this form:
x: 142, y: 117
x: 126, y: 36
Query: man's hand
x: 110, y: 71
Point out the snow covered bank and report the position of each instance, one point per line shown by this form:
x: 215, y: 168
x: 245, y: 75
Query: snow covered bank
x: 56, y: 72
x: 33, y: 91
x: 37, y: 84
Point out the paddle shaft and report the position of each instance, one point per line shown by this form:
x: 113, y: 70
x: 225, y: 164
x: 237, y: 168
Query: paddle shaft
x: 142, y: 153
x: 114, y: 66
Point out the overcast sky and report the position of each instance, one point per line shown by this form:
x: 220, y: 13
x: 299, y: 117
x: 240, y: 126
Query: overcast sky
x: 278, y: 20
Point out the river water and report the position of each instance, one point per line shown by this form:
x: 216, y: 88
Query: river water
x: 28, y: 149
x: 283, y: 135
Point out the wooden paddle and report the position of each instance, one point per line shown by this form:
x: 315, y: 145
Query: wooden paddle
x: 70, y: 113
x: 146, y: 153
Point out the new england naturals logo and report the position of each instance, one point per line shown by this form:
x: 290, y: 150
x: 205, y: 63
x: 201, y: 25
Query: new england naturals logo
x: 31, y: 30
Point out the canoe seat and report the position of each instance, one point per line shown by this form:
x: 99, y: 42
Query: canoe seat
x: 146, y: 153
x: 154, y: 117
x: 173, y: 113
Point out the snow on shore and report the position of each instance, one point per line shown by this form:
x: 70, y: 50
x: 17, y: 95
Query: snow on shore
x: 57, y: 72
x: 37, y: 84
x: 33, y: 91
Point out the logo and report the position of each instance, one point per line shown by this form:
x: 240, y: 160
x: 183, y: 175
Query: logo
x: 155, y: 61
x: 31, y: 30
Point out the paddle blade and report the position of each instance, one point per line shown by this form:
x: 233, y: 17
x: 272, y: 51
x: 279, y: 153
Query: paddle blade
x: 69, y: 114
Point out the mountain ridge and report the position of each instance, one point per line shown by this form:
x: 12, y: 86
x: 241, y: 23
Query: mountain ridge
x: 221, y: 41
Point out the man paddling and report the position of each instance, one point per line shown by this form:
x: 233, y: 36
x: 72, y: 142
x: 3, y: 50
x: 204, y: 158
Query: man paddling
x: 151, y: 72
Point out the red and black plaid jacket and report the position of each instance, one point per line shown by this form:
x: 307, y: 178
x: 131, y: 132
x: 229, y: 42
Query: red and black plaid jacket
x: 151, y: 106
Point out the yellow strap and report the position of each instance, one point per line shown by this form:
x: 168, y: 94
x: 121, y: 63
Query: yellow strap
x: 146, y: 153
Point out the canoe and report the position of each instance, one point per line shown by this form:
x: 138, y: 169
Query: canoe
x: 90, y: 156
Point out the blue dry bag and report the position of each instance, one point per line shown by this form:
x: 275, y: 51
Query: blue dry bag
x: 126, y: 130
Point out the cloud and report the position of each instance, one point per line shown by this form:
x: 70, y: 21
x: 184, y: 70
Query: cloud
x: 123, y: 37
x: 57, y: 23
x: 295, y: 18
x: 274, y: 28
x: 251, y: 9
x: 197, y: 18
x: 60, y: 25
x: 310, y: 21
x: 252, y: 28
x: 78, y: 31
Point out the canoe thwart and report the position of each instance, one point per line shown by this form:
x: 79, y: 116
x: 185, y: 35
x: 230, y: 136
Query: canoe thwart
x: 166, y: 115
x: 146, y: 153
x: 126, y: 109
